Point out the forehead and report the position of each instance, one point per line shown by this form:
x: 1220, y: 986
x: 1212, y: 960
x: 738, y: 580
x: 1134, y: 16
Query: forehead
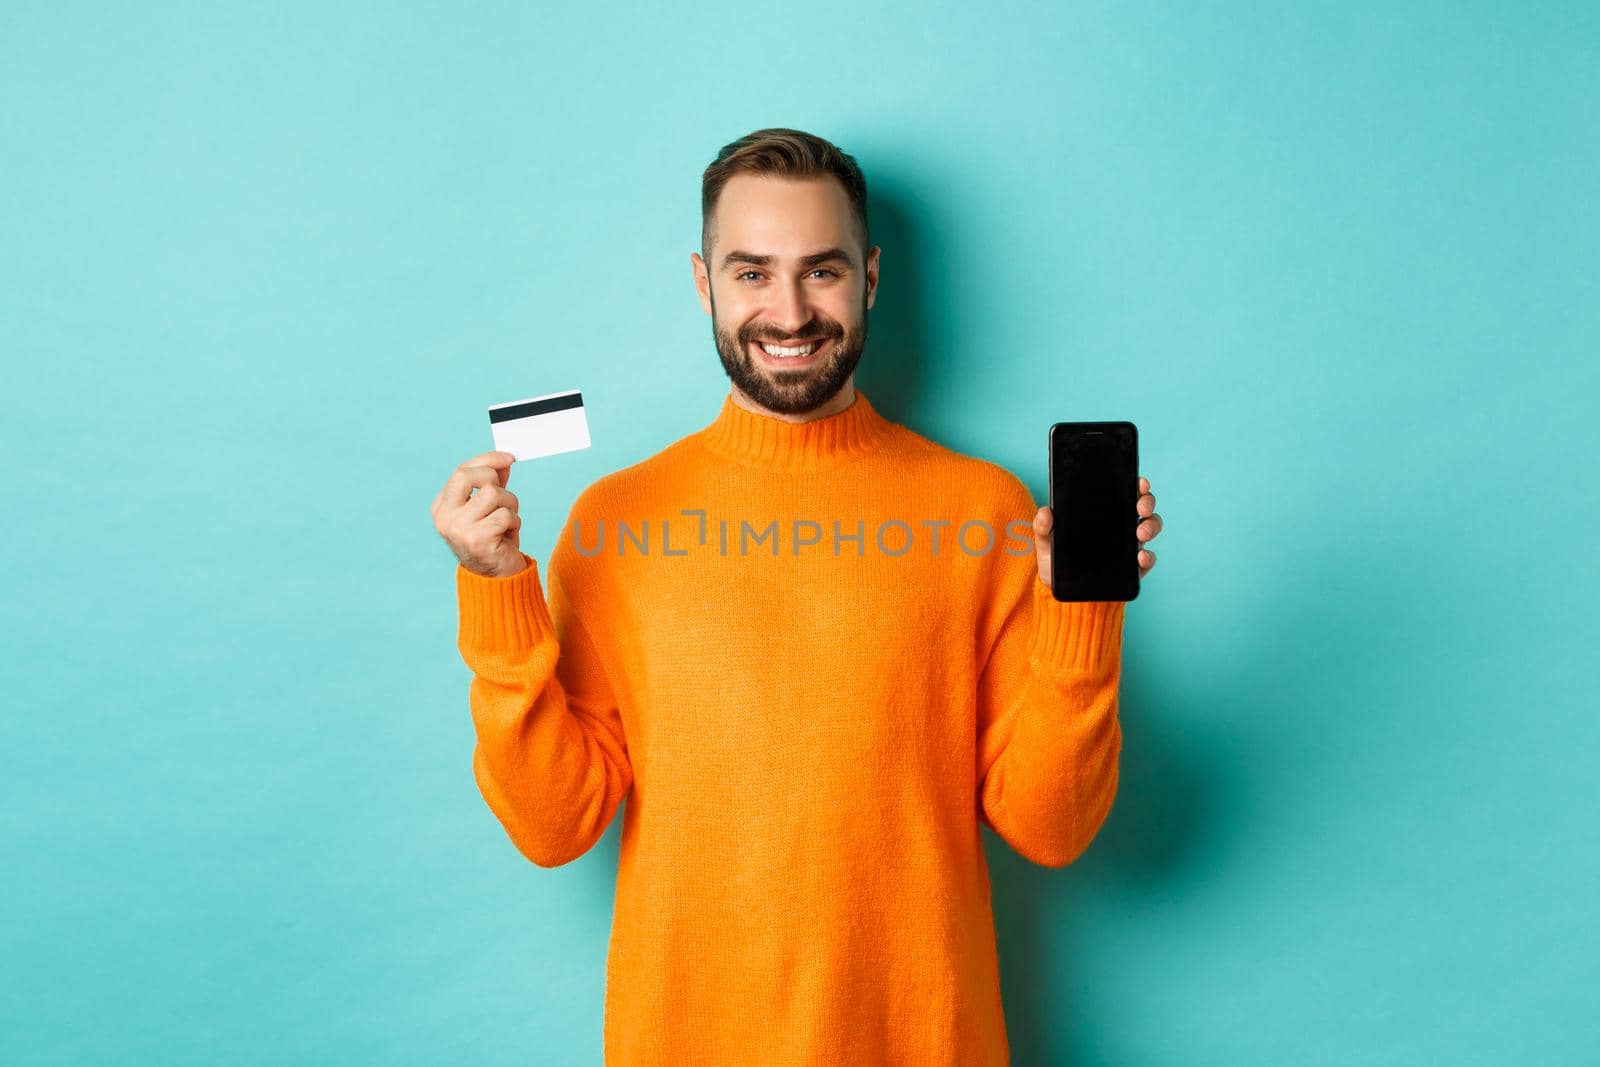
x: 783, y: 216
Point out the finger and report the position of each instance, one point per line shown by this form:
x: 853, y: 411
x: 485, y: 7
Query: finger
x: 1147, y: 504
x: 498, y: 459
x: 1042, y: 523
x: 486, y: 500
x: 1144, y: 484
x: 1149, y: 528
x: 501, y: 519
x: 491, y: 468
x: 469, y: 474
x: 1147, y: 560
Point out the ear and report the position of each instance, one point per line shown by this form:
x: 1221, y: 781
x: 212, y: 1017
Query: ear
x: 872, y: 274
x: 702, y: 281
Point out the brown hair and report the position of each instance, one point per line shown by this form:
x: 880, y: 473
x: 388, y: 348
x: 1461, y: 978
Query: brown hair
x: 784, y: 153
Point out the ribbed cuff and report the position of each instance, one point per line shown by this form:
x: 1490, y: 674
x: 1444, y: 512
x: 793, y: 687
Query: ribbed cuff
x: 503, y: 614
x: 1074, y: 635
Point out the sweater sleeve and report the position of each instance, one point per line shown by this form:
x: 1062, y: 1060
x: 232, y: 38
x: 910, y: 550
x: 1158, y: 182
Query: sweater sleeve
x: 1048, y: 735
x: 551, y: 756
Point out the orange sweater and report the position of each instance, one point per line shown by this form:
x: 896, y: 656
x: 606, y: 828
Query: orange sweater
x: 807, y: 739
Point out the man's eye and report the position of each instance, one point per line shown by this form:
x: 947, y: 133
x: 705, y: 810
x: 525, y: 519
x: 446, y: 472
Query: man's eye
x: 741, y: 275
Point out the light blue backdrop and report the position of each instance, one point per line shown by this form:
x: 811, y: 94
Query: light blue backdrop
x: 263, y: 268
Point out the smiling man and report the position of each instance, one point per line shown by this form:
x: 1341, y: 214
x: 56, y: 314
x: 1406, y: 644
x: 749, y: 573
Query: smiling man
x: 808, y: 735
x: 793, y: 321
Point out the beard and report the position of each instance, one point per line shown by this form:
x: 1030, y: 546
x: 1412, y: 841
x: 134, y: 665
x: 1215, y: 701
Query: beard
x: 791, y: 392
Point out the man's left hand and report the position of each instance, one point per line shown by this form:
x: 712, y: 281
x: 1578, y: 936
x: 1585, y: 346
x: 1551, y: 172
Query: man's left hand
x: 1149, y: 527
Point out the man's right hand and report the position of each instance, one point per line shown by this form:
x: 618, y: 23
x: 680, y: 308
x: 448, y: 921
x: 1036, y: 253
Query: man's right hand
x: 482, y: 529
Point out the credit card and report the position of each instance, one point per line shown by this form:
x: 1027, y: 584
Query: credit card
x: 540, y: 425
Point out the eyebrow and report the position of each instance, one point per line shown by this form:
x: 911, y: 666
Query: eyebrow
x: 827, y: 255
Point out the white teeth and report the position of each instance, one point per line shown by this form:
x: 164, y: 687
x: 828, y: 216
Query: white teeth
x: 776, y: 350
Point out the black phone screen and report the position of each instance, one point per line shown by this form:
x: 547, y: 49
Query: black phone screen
x: 1094, y: 502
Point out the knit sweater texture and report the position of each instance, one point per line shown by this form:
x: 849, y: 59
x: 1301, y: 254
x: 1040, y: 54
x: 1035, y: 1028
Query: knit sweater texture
x: 807, y: 727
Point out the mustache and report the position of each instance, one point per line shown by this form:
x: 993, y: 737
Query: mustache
x: 804, y: 336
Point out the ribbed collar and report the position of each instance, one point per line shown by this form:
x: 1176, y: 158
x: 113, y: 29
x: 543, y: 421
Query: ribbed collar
x: 758, y: 440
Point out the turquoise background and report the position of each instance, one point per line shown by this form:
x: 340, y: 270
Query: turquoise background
x: 264, y: 268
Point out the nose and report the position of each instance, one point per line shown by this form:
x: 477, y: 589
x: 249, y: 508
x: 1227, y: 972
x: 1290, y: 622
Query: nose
x: 789, y: 310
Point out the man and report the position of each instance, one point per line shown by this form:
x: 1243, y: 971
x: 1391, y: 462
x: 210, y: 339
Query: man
x: 808, y: 733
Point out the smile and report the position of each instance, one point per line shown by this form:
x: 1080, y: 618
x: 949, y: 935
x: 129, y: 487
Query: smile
x: 791, y: 354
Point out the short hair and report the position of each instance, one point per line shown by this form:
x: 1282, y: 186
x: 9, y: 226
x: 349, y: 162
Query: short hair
x: 784, y: 153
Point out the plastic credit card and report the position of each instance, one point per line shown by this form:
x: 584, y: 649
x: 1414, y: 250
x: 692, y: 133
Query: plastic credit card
x: 540, y: 425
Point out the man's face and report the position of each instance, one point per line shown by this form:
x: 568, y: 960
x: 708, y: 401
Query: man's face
x: 767, y: 279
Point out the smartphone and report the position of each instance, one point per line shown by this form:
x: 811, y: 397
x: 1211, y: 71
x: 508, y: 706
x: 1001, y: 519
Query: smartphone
x: 1094, y: 500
